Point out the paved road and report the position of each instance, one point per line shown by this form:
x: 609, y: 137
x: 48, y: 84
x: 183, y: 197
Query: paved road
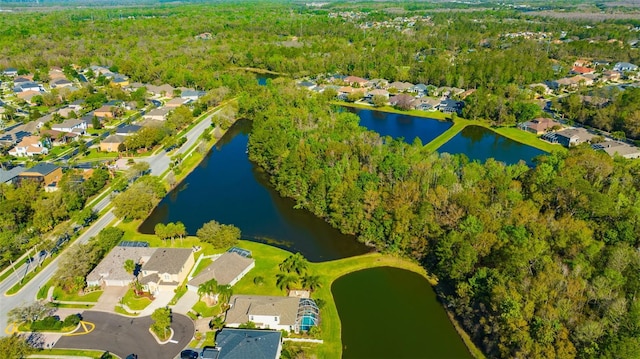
x: 158, y: 164
x: 123, y: 336
x: 29, y: 292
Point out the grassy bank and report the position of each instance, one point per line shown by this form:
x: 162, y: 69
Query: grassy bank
x: 46, y: 353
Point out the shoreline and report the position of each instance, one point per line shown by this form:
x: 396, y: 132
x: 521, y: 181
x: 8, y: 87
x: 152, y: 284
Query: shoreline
x: 459, y: 124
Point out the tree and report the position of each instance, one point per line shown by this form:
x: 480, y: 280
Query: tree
x: 379, y: 100
x: 160, y: 230
x: 161, y: 325
x: 224, y: 294
x: 218, y: 235
x: 75, y: 264
x: 30, y: 313
x: 207, y: 290
x: 311, y: 282
x: 294, y: 263
x: 286, y: 281
x: 15, y: 347
x: 137, y: 201
x: 129, y: 266
x: 180, y: 230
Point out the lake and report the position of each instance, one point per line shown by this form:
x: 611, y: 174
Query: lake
x: 401, y: 126
x: 480, y: 143
x: 229, y: 188
x: 393, y: 313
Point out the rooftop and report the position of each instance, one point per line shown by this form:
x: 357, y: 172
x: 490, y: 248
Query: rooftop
x: 112, y: 266
x: 224, y: 269
x: 168, y: 260
x: 244, y: 305
x: 43, y: 168
x: 245, y: 343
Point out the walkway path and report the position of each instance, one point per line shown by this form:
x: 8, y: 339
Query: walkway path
x: 188, y: 300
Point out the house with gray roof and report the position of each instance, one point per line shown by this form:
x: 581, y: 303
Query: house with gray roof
x: 625, y: 67
x: 246, y: 343
x: 271, y: 312
x: 166, y: 269
x: 10, y: 176
x: 227, y: 269
x: 110, y: 271
x: 71, y: 125
x: 613, y: 148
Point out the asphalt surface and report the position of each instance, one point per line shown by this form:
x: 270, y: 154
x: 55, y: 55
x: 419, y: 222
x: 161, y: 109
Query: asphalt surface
x: 123, y: 336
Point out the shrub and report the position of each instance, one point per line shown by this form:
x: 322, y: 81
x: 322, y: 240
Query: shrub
x: 71, y: 320
x: 48, y: 323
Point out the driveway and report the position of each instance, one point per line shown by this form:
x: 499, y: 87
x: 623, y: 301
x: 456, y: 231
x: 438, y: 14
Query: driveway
x: 123, y: 336
x: 110, y: 298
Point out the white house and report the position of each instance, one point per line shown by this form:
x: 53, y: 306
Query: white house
x: 624, y: 67
x: 29, y: 146
x: 72, y: 125
x: 267, y: 312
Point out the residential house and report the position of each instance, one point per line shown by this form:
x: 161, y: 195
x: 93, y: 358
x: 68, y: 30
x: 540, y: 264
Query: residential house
x: 378, y: 92
x: 450, y: 106
x: 582, y: 63
x: 227, y: 269
x: 22, y: 79
x: 29, y: 146
x: 625, y: 67
x: 27, y: 86
x: 14, y: 135
x: 538, y: 126
x: 192, y: 95
x: 245, y: 343
x: 120, y: 80
x: 10, y: 176
x: 72, y: 125
x: 618, y: 148
x: 611, y: 76
x: 163, y: 90
x: 271, y: 312
x: 166, y: 269
x: 110, y: 271
x: 425, y: 104
x: 378, y: 83
x: 569, y: 137
x: 76, y: 105
x: 176, y: 102
x: 10, y: 71
x: 45, y: 173
x: 594, y: 101
x: 401, y: 99
x: 105, y: 111
x: 58, y: 138
x: 56, y: 73
x: 400, y: 86
x: 112, y: 143
x: 356, y: 81
x: 600, y: 63
x: 544, y: 88
x: 580, y: 70
x: 127, y: 130
x: 420, y: 89
x: 28, y: 96
x: 307, y: 85
x: 59, y: 83
x: 157, y: 114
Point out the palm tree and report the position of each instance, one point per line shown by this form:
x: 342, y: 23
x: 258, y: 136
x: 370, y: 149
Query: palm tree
x: 311, y: 282
x: 224, y: 294
x: 129, y: 266
x: 285, y: 281
x: 295, y: 263
x: 180, y: 230
x: 208, y: 289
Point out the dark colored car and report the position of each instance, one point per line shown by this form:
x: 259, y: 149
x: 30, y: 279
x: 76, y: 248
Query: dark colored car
x: 132, y: 356
x: 188, y: 354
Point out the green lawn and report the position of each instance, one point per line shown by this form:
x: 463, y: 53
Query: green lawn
x: 61, y: 295
x: 202, y: 265
x: 95, y: 154
x: 118, y: 309
x: 134, y: 302
x: 45, y: 353
x: 206, y: 311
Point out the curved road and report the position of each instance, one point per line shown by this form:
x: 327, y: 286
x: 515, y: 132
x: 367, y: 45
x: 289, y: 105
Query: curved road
x: 123, y: 336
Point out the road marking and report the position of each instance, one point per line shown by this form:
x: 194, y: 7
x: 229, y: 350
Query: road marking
x: 87, y: 326
x: 173, y: 341
x: 11, y: 329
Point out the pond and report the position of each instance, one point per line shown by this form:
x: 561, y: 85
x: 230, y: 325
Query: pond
x: 480, y: 143
x: 401, y: 126
x: 230, y: 189
x: 393, y: 313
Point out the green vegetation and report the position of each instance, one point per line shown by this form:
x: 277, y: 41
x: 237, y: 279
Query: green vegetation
x: 44, y: 353
x: 205, y: 310
x: 135, y: 302
x: 494, y: 235
x: 161, y: 323
x: 61, y: 295
x: 118, y: 309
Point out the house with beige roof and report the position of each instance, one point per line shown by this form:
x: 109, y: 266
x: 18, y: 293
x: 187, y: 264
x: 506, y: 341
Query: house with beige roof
x: 158, y: 114
x: 271, y: 312
x: 227, y: 269
x: 29, y: 146
x: 166, y: 269
x: 110, y: 271
x: 177, y: 102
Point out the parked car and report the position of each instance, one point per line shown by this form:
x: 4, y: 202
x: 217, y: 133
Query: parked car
x: 189, y: 354
x: 132, y: 356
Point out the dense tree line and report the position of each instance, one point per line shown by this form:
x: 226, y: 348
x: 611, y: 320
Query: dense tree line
x: 534, y: 262
x: 27, y: 212
x: 622, y: 113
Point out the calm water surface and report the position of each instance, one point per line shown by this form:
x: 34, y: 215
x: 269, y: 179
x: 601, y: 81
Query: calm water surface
x: 393, y: 313
x: 401, y: 126
x: 227, y: 187
x: 479, y: 143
